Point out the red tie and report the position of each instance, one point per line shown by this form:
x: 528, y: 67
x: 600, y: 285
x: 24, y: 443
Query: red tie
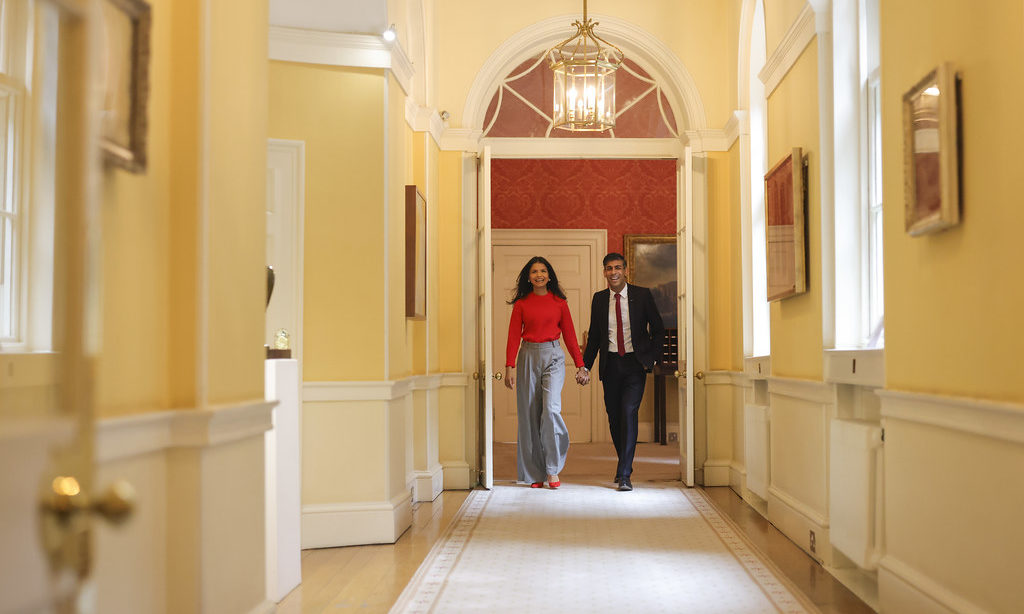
x: 619, y: 339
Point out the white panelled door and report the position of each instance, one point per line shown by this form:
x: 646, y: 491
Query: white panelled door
x: 575, y: 263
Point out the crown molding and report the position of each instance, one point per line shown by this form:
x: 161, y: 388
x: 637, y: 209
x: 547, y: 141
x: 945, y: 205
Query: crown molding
x: 340, y: 49
x: 785, y: 56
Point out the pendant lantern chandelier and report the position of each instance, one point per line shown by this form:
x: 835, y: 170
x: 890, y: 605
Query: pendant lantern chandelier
x: 584, y: 67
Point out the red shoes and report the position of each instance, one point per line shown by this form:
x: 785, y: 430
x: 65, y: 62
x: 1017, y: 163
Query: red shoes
x: 554, y: 485
x: 537, y: 485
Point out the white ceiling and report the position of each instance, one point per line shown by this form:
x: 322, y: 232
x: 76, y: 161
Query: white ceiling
x: 351, y: 16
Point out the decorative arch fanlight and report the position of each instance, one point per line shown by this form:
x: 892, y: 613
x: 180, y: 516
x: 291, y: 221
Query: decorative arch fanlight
x: 584, y: 67
x: 520, y: 107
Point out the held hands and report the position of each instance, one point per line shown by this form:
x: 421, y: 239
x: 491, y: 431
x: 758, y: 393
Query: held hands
x: 582, y: 376
x: 510, y: 378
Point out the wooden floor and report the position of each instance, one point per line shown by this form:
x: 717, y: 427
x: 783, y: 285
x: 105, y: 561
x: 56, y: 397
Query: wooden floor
x: 370, y: 578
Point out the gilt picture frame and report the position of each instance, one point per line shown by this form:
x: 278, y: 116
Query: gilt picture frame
x: 125, y: 53
x: 931, y: 152
x: 652, y: 261
x: 785, y: 202
x: 415, y: 254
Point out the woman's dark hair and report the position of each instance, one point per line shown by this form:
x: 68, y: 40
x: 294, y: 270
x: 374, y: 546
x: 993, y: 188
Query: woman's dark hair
x: 523, y: 286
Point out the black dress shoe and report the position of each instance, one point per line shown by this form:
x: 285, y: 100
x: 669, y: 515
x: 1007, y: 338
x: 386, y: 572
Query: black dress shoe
x: 618, y: 478
x: 625, y: 484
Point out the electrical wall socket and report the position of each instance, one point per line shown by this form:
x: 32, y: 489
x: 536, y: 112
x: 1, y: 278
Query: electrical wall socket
x: 673, y: 436
x: 814, y: 542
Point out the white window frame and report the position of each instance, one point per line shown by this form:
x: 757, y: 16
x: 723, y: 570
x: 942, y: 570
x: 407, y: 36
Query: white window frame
x: 26, y: 312
x: 753, y: 156
x: 857, y: 352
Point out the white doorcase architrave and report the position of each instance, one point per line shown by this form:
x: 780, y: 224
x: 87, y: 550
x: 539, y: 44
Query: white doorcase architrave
x: 690, y: 192
x: 597, y: 240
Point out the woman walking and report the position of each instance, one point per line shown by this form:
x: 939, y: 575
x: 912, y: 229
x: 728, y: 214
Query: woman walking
x: 540, y: 315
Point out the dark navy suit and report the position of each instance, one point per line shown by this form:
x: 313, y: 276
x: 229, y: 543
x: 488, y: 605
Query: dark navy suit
x: 624, y: 377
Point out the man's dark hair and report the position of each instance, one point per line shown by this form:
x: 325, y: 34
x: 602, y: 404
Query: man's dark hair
x: 613, y: 256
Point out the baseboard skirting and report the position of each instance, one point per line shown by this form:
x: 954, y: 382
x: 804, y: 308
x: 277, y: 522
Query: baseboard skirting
x: 902, y: 588
x: 737, y: 477
x: 356, y: 524
x: 457, y: 475
x: 267, y: 607
x: 717, y: 472
x: 427, y: 485
x: 797, y: 521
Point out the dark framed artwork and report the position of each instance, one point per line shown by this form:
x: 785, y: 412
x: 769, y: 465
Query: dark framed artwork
x: 652, y: 263
x: 125, y: 43
x: 931, y: 152
x: 415, y: 254
x: 785, y: 201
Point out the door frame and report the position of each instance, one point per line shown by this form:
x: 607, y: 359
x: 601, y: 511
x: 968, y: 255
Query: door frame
x: 597, y: 240
x: 691, y: 224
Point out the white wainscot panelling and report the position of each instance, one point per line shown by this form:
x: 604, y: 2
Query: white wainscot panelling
x: 756, y: 419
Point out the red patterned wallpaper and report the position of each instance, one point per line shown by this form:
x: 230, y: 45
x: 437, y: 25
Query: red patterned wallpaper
x: 621, y: 196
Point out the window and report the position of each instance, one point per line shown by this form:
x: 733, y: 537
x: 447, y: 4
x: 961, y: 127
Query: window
x: 875, y: 328
x: 757, y: 340
x: 27, y: 221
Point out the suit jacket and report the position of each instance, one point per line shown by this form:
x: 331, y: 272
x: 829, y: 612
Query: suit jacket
x: 646, y: 328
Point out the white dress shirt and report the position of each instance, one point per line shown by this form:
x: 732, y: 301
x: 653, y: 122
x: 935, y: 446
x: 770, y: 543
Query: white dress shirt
x: 613, y: 345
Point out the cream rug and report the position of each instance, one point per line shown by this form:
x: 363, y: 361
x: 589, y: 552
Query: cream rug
x: 588, y: 548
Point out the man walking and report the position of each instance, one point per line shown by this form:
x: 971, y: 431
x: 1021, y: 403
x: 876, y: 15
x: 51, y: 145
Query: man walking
x: 626, y: 327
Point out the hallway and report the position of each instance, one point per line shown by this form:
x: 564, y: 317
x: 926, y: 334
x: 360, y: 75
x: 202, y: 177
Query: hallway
x: 370, y: 578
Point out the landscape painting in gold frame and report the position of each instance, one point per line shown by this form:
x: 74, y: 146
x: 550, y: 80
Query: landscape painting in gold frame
x: 785, y: 200
x: 931, y: 152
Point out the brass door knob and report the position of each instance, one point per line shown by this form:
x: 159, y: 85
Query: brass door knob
x: 699, y: 375
x: 476, y: 375
x: 66, y: 499
x: 678, y: 374
x: 498, y: 375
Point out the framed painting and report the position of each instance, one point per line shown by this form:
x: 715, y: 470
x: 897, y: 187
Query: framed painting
x: 415, y: 254
x: 785, y: 202
x: 125, y: 82
x: 931, y: 152
x: 651, y: 260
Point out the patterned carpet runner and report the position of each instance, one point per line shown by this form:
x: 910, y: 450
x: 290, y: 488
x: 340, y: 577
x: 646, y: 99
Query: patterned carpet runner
x: 588, y: 548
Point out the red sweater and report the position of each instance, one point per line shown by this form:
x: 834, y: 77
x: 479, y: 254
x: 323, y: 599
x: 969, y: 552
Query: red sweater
x: 538, y: 318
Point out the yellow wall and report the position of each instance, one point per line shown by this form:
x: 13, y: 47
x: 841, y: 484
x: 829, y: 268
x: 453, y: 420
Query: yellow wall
x: 699, y: 32
x: 236, y: 199
x: 779, y: 16
x: 450, y: 261
x: 434, y: 271
x: 793, y: 122
x: 152, y: 224
x: 722, y: 251
x: 344, y: 230
x: 399, y: 139
x: 953, y: 300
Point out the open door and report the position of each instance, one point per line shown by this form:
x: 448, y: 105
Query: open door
x: 485, y: 324
x: 684, y: 238
x: 47, y: 429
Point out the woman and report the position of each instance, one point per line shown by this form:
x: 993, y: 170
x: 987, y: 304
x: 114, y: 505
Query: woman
x: 539, y: 315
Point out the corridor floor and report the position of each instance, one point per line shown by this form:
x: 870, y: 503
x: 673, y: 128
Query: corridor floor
x: 370, y: 578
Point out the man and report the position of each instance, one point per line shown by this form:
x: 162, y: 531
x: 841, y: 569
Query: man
x: 626, y: 327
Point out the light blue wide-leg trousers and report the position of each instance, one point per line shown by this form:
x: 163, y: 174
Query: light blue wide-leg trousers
x: 543, y: 436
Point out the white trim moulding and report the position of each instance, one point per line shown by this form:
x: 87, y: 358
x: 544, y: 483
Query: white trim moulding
x: 804, y: 390
x: 860, y: 367
x: 424, y: 119
x: 1003, y: 421
x: 128, y: 436
x: 461, y: 139
x: 785, y: 56
x: 339, y: 49
x: 590, y: 148
x: 379, y: 390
